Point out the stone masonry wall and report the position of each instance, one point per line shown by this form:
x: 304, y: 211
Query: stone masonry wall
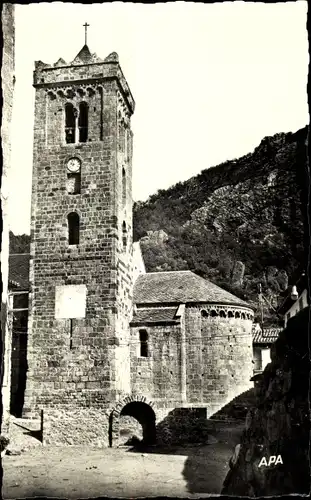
x: 79, y: 365
x: 218, y: 340
x: 7, y: 75
x: 157, y: 376
x: 214, y: 347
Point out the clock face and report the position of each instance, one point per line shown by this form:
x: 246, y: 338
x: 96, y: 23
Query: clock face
x: 73, y: 165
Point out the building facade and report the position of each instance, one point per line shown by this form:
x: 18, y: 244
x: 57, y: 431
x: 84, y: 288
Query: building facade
x: 7, y: 77
x: 105, y: 338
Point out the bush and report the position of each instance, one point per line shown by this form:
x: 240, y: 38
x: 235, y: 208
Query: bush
x: 4, y: 441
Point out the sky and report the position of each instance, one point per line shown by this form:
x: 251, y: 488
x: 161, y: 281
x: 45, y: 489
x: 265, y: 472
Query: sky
x: 210, y: 81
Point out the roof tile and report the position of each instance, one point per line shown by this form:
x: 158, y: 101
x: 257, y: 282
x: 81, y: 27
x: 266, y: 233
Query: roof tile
x: 180, y: 287
x: 267, y: 336
x: 19, y: 270
x: 155, y: 315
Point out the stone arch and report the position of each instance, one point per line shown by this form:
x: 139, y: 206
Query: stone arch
x: 142, y: 410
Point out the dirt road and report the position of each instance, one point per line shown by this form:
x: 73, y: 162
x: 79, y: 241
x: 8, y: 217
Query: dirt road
x: 79, y: 472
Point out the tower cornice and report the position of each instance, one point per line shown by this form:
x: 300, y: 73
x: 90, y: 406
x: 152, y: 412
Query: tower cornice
x: 45, y: 76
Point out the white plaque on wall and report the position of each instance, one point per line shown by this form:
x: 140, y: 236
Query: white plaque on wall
x: 70, y: 301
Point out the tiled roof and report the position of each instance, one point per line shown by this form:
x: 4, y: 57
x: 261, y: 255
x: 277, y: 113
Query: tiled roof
x: 19, y: 270
x: 155, y: 315
x: 267, y: 336
x: 180, y: 287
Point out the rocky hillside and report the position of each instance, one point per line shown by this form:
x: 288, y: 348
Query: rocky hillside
x: 239, y: 224
x: 278, y: 424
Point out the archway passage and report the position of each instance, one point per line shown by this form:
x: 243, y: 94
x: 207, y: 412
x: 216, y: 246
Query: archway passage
x: 136, y: 420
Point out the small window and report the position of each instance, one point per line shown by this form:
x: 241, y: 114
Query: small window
x: 73, y: 228
x: 73, y: 183
x: 20, y: 301
x: 222, y: 314
x: 143, y: 338
x: 124, y: 236
x: 83, y: 122
x: 70, y: 123
x: 204, y: 314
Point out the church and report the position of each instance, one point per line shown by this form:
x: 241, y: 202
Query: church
x: 106, y: 338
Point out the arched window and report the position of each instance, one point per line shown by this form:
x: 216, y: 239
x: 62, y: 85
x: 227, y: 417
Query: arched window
x: 73, y: 228
x: 143, y: 339
x: 230, y: 314
x: 70, y: 124
x: 83, y: 121
x: 123, y: 187
x: 213, y: 313
x: 124, y: 235
x: 222, y: 314
x: 204, y: 314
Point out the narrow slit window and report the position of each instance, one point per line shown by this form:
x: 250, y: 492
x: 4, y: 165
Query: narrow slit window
x: 124, y: 236
x: 143, y: 339
x: 70, y: 123
x: 73, y: 229
x: 123, y: 187
x: 83, y: 122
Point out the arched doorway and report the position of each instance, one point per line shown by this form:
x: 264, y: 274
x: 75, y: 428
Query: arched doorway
x: 134, y: 419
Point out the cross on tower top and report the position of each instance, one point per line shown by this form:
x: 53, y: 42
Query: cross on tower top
x: 86, y: 25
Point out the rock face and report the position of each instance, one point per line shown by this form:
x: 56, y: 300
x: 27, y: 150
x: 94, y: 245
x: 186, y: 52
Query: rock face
x: 249, y: 210
x: 279, y: 423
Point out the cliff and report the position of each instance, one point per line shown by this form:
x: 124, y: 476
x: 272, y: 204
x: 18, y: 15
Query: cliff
x: 239, y: 224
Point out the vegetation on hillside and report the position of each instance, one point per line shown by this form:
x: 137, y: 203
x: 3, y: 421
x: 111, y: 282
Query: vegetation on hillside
x: 19, y: 243
x: 247, y: 211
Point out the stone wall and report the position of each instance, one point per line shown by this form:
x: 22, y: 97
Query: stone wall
x: 7, y: 75
x: 182, y: 426
x: 213, y: 346
x: 75, y: 426
x: 82, y: 362
x: 158, y: 375
x: 279, y: 423
x: 218, y: 339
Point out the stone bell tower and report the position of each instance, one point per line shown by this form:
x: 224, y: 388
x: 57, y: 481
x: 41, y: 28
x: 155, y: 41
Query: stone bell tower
x: 81, y: 240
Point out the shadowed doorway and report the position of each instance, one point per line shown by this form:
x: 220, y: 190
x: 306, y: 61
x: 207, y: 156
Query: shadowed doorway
x: 136, y: 424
